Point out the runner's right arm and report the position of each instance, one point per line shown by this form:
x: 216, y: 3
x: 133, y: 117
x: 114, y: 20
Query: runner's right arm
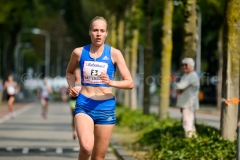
x: 74, y: 60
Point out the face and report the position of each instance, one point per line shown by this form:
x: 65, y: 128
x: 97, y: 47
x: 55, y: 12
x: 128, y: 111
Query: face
x: 10, y: 78
x: 186, y: 68
x: 98, y: 32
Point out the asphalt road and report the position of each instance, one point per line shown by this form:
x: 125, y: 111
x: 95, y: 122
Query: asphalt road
x: 30, y: 137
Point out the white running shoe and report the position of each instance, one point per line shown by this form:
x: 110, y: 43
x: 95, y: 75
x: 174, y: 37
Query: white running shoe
x: 11, y: 115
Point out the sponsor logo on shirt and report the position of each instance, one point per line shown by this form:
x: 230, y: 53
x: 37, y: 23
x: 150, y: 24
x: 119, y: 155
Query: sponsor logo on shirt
x: 95, y: 65
x: 105, y: 58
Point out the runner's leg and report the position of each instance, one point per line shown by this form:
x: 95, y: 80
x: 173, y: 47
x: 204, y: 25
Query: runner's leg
x: 10, y: 103
x: 85, y: 126
x: 102, y: 135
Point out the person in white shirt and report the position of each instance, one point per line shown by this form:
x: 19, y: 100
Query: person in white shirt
x: 12, y: 88
x: 188, y: 90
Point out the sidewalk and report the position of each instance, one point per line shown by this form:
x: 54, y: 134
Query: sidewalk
x: 207, y: 115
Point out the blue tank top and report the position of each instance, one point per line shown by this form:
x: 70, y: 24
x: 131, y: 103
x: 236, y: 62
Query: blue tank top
x: 91, y: 68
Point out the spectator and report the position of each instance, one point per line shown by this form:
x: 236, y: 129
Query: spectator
x: 188, y: 90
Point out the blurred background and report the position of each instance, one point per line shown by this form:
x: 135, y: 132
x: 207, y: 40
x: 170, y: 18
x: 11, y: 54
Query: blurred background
x: 38, y: 36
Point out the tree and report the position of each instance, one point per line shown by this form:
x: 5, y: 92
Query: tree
x: 231, y: 69
x: 76, y: 20
x: 12, y: 15
x: 134, y: 51
x: 220, y: 68
x: 127, y: 46
x: 166, y: 58
x: 190, y: 29
x: 147, y: 56
x: 15, y: 15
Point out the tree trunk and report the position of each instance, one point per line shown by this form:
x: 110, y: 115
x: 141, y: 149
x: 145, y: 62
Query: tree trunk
x: 231, y: 53
x: 220, y: 68
x: 190, y: 29
x: 120, y: 45
x: 121, y: 35
x: 113, y: 43
x: 4, y: 48
x: 166, y: 59
x: 126, y: 101
x: 134, y: 55
x: 147, y: 59
x: 127, y: 45
x: 113, y: 34
x: 10, y: 50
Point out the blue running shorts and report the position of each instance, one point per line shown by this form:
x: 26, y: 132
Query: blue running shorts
x: 101, y: 111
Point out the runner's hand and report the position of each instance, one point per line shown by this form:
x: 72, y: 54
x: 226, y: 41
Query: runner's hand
x: 105, y: 78
x: 74, y: 91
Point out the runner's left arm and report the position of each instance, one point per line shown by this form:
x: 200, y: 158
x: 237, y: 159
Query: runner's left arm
x: 127, y: 81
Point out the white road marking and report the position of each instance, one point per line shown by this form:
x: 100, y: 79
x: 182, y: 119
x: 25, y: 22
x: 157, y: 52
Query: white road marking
x: 59, y: 151
x: 25, y: 108
x: 25, y: 150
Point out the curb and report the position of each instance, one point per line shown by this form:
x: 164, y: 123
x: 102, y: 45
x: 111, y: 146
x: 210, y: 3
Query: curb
x: 121, y: 152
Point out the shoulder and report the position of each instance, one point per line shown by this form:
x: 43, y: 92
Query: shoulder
x: 77, y: 51
x: 116, y: 55
x: 193, y: 75
x: 6, y: 83
x: 115, y: 52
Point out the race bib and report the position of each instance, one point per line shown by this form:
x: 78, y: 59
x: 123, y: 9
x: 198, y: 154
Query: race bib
x: 92, y: 71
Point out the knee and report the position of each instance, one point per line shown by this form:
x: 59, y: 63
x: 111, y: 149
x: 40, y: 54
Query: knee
x: 100, y: 157
x: 86, y: 148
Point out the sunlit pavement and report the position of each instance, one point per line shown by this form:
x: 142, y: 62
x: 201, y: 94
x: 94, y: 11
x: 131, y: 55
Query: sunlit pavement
x: 207, y: 117
x: 30, y: 137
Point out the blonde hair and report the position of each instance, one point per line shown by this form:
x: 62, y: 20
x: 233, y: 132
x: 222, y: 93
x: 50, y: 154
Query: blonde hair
x: 98, y: 18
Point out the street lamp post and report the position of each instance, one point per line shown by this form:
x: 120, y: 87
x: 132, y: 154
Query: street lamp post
x: 16, y: 55
x: 47, y: 45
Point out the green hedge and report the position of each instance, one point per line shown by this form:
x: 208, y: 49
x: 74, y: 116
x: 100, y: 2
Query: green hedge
x: 165, y: 138
x: 134, y: 119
